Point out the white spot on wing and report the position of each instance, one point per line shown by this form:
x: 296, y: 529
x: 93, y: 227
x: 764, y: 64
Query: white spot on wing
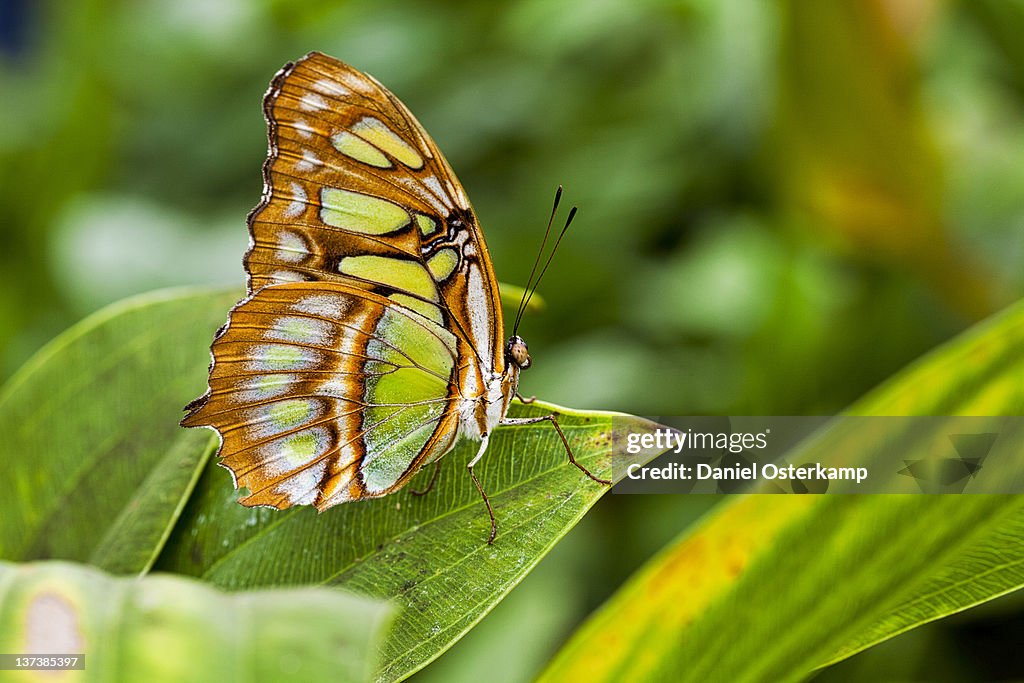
x: 452, y: 192
x: 437, y: 203
x: 301, y: 488
x: 308, y: 162
x: 298, y: 203
x: 355, y: 82
x: 275, y: 357
x: 323, y: 305
x: 270, y: 357
x: 312, y: 102
x: 291, y: 247
x: 262, y: 387
x: 301, y: 330
x: 348, y: 455
x: 287, y: 276
x: 302, y: 128
x: 336, y: 387
x: 435, y: 187
x: 331, y: 88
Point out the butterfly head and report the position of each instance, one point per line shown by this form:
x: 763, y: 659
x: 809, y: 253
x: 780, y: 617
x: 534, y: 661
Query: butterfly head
x: 517, y: 352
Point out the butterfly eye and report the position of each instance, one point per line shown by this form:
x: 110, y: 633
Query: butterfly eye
x: 519, y: 353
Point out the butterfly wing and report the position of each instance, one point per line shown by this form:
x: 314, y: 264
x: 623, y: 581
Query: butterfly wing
x: 325, y: 392
x: 354, y: 188
x: 372, y: 314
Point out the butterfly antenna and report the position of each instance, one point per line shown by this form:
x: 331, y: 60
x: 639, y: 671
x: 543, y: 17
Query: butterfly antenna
x: 551, y: 256
x: 540, y: 252
x: 530, y: 291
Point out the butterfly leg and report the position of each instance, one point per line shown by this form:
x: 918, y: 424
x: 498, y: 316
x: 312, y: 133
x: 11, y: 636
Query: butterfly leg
x: 525, y: 401
x: 476, y: 482
x: 430, y: 484
x: 565, y: 442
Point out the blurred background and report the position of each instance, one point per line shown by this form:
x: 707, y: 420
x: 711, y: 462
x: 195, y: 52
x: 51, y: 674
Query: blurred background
x: 781, y: 204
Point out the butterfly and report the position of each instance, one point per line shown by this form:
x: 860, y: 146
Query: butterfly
x: 371, y: 339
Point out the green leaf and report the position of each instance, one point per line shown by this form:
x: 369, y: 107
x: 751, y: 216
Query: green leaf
x: 427, y: 553
x: 166, y: 628
x: 133, y: 540
x: 101, y: 473
x: 97, y: 468
x: 817, y: 578
x: 511, y: 295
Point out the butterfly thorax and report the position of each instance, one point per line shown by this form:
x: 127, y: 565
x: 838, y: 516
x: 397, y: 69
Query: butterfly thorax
x: 480, y: 413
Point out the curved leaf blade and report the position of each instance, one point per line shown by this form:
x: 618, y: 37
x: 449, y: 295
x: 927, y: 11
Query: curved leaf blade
x: 166, y: 628
x: 133, y: 540
x: 817, y: 578
x: 427, y: 553
x: 99, y: 469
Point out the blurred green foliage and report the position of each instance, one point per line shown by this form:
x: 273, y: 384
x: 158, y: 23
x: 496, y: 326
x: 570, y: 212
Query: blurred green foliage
x: 781, y: 203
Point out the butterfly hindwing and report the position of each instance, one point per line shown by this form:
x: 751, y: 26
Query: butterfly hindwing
x: 314, y: 384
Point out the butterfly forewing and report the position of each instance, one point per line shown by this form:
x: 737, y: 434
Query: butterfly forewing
x: 373, y: 306
x: 352, y: 179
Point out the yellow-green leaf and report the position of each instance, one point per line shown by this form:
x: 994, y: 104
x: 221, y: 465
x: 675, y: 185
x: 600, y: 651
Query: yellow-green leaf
x: 773, y: 587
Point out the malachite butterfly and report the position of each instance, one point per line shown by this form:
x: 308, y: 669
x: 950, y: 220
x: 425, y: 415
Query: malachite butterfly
x: 371, y: 339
